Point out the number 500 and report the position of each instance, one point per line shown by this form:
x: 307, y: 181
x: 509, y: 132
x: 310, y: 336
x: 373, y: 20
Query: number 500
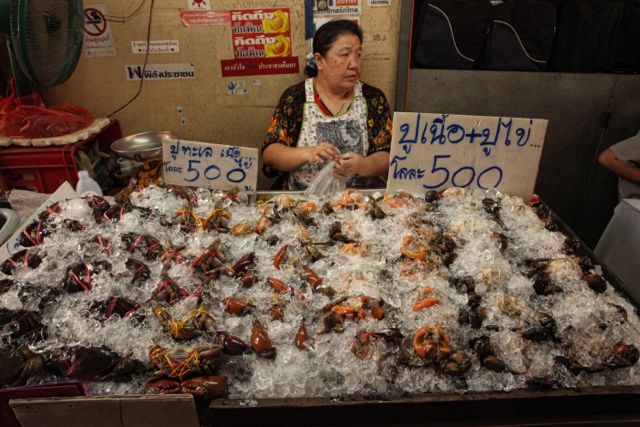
x: 490, y: 177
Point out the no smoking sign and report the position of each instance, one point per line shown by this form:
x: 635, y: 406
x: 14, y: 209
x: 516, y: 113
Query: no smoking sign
x: 97, y: 34
x: 95, y: 23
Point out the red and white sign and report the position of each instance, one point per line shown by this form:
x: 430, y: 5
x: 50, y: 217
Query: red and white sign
x: 259, y: 66
x: 261, y: 41
x: 97, y: 32
x: 205, y: 18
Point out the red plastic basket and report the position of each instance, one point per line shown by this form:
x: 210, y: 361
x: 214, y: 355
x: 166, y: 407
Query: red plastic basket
x: 44, y: 169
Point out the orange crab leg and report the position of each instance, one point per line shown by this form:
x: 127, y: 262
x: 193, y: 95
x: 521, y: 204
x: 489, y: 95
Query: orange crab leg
x: 425, y: 303
x: 345, y: 310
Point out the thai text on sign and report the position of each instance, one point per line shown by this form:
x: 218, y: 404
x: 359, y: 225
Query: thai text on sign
x: 437, y: 151
x: 261, y: 33
x: 200, y: 164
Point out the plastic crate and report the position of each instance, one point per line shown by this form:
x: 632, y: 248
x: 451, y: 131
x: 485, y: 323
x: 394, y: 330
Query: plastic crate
x: 44, y: 169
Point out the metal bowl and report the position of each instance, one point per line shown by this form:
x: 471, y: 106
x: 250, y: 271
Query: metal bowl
x: 142, y: 146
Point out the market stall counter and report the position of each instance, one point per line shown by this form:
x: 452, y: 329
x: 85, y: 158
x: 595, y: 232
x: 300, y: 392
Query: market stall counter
x: 411, y: 307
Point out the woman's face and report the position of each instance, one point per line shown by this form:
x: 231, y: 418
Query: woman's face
x: 339, y: 69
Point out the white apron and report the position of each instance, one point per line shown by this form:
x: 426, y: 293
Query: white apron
x: 347, y: 132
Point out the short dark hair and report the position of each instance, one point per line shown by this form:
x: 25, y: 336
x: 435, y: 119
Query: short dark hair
x: 327, y: 34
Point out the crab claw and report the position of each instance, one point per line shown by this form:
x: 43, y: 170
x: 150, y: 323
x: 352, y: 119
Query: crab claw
x: 162, y: 386
x: 260, y: 342
x: 211, y: 386
x: 277, y: 260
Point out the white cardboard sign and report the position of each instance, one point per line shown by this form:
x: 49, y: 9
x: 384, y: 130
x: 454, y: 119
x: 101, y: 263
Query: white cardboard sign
x: 437, y: 151
x: 11, y: 247
x: 200, y: 164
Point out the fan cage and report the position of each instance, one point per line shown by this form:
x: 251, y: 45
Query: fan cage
x: 46, y: 37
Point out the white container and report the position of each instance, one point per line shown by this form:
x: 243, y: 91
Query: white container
x: 9, y: 221
x: 86, y: 185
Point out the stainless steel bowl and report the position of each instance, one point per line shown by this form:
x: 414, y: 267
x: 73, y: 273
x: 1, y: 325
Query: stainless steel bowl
x: 142, y: 146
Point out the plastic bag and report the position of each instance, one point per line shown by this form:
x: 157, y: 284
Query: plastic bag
x: 325, y: 183
x: 28, y: 117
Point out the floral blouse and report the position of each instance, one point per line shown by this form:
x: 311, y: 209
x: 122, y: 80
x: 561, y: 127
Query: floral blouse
x: 287, y: 121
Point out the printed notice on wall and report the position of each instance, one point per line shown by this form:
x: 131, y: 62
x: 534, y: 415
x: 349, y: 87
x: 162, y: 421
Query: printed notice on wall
x: 337, y: 7
x: 160, y: 71
x: 97, y: 40
x: 378, y: 3
x: 205, y: 18
x: 219, y: 167
x: 437, y: 151
x: 155, y: 46
x: 261, y: 40
x: 329, y: 10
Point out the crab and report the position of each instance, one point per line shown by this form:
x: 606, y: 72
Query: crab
x: 21, y: 324
x: 78, y: 277
x: 18, y: 365
x: 149, y: 246
x: 25, y: 258
x: 351, y: 308
x: 180, y: 363
x: 204, y: 387
x: 212, y: 261
x: 195, y: 324
x: 431, y: 344
x: 260, y: 342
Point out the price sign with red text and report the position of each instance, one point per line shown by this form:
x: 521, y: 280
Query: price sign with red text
x: 437, y: 151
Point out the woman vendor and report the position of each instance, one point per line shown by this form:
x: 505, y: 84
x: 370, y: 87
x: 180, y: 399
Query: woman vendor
x: 330, y: 116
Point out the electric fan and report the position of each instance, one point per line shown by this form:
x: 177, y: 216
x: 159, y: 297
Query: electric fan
x: 44, y: 39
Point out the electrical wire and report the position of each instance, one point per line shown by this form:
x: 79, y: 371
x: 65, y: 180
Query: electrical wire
x: 144, y: 66
x: 123, y: 19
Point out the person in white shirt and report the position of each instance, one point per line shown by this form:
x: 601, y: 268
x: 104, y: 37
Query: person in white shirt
x: 623, y: 159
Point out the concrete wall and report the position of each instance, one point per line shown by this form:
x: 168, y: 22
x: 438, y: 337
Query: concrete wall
x: 209, y: 114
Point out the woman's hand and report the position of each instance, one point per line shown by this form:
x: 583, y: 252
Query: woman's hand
x: 350, y: 164
x: 321, y: 152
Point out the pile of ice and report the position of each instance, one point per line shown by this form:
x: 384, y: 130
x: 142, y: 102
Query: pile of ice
x: 497, y: 246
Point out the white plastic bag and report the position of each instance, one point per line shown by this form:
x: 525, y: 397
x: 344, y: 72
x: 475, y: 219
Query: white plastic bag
x: 325, y: 183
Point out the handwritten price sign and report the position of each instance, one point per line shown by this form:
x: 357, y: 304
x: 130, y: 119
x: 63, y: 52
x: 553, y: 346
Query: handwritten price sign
x: 199, y: 164
x: 437, y: 151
